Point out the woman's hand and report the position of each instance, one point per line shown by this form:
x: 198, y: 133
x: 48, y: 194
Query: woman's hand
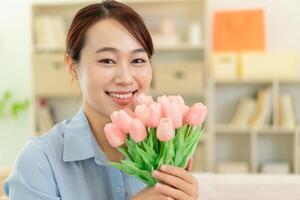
x: 150, y: 194
x: 176, y: 183
x: 179, y: 184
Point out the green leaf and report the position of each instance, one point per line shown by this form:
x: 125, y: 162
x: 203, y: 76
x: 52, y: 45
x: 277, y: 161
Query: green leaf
x: 125, y: 152
x: 130, y: 147
x: 150, y: 151
x: 138, y: 157
x: 191, y: 146
x: 131, y: 169
x: 147, y: 160
x: 150, y: 138
x: 169, y: 153
x: 160, y: 160
x: 180, y: 145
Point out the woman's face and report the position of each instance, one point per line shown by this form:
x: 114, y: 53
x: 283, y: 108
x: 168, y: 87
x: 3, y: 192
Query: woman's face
x: 113, y: 68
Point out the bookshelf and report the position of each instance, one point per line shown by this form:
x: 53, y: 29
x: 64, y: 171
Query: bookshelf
x: 55, y: 98
x: 270, y: 148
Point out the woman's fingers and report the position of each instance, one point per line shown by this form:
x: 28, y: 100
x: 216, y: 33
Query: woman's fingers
x: 190, y: 165
x: 172, y: 192
x: 174, y: 182
x: 179, y: 172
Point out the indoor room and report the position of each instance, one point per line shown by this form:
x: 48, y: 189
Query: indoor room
x: 97, y: 96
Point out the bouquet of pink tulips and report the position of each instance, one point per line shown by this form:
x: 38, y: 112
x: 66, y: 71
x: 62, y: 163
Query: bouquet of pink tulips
x: 156, y: 133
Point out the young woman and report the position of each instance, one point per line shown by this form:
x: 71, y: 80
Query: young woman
x: 108, y: 50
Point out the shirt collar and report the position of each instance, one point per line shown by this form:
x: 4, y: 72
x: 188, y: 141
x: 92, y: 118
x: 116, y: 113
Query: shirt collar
x: 80, y: 142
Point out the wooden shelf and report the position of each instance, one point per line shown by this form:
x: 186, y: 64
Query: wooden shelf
x: 254, y: 81
x: 179, y: 47
x: 267, y: 144
x: 156, y: 92
x: 229, y: 129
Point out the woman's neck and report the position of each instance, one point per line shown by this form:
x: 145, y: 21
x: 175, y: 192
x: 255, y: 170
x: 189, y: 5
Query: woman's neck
x: 97, y: 122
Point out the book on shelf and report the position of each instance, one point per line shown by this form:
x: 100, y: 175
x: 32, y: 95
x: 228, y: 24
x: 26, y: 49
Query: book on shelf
x: 44, y: 117
x: 233, y: 167
x: 50, y: 32
x: 244, y: 112
x: 275, y: 168
x: 287, y: 118
x: 263, y: 108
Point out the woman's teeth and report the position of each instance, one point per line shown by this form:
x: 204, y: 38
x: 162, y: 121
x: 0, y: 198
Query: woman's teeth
x: 121, y: 96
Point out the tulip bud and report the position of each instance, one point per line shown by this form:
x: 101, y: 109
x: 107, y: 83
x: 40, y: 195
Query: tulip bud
x: 122, y: 120
x: 138, y: 131
x: 196, y: 114
x: 144, y: 99
x: 114, y: 135
x: 175, y: 115
x: 154, y: 116
x: 165, y: 105
x: 142, y: 112
x: 165, y: 131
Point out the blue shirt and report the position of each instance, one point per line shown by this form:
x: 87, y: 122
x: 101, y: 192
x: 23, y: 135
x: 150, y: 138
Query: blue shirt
x: 68, y: 164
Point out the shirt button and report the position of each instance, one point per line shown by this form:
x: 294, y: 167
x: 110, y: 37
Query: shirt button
x: 119, y: 188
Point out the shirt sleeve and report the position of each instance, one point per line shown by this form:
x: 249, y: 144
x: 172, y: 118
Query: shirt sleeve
x: 32, y: 177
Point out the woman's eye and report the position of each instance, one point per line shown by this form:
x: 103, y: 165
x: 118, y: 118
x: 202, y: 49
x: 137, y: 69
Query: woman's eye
x: 106, y: 61
x: 138, y: 61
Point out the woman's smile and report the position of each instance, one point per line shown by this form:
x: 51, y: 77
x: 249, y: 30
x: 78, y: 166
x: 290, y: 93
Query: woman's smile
x: 122, y: 97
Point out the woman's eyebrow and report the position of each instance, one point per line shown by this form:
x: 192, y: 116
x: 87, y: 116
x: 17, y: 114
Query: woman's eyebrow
x: 111, y: 49
x: 114, y: 50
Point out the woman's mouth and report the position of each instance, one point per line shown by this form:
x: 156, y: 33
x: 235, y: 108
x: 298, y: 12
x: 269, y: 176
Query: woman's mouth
x: 122, y: 97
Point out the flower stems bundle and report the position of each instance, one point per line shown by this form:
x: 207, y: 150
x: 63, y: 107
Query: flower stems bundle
x: 157, y: 133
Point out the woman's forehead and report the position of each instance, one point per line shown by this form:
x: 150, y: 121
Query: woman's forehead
x: 110, y: 33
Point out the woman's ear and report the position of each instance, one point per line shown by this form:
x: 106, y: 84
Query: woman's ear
x: 71, y: 66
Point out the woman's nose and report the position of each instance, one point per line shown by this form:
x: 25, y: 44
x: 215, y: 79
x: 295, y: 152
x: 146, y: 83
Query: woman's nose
x: 124, y: 75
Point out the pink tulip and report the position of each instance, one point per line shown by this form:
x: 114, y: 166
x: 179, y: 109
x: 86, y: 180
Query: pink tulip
x: 184, y: 110
x: 142, y: 112
x: 180, y: 101
x: 144, y: 99
x: 175, y: 115
x: 165, y: 105
x: 196, y: 114
x: 114, y: 135
x: 165, y: 131
x: 154, y: 115
x: 129, y: 112
x: 122, y: 120
x: 138, y: 131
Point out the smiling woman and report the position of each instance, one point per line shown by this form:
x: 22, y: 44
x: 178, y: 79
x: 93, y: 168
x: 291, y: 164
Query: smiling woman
x: 108, y: 50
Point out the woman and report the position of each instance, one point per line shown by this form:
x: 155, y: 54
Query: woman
x: 108, y: 50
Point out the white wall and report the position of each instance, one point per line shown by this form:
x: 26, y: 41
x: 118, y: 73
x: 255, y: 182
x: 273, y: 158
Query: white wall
x: 14, y: 73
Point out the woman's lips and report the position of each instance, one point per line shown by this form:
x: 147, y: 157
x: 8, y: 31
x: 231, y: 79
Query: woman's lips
x: 122, y: 97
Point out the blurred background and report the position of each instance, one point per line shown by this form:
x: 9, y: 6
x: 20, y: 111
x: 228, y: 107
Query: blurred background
x: 240, y: 57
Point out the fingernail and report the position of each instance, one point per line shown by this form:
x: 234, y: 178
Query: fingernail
x: 163, y: 167
x: 155, y: 173
x: 158, y: 185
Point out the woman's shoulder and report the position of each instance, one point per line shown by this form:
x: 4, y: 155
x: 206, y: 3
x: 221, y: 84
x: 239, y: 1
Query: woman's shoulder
x: 48, y: 146
x: 33, y: 167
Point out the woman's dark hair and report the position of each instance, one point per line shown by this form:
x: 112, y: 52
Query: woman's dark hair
x: 109, y: 9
